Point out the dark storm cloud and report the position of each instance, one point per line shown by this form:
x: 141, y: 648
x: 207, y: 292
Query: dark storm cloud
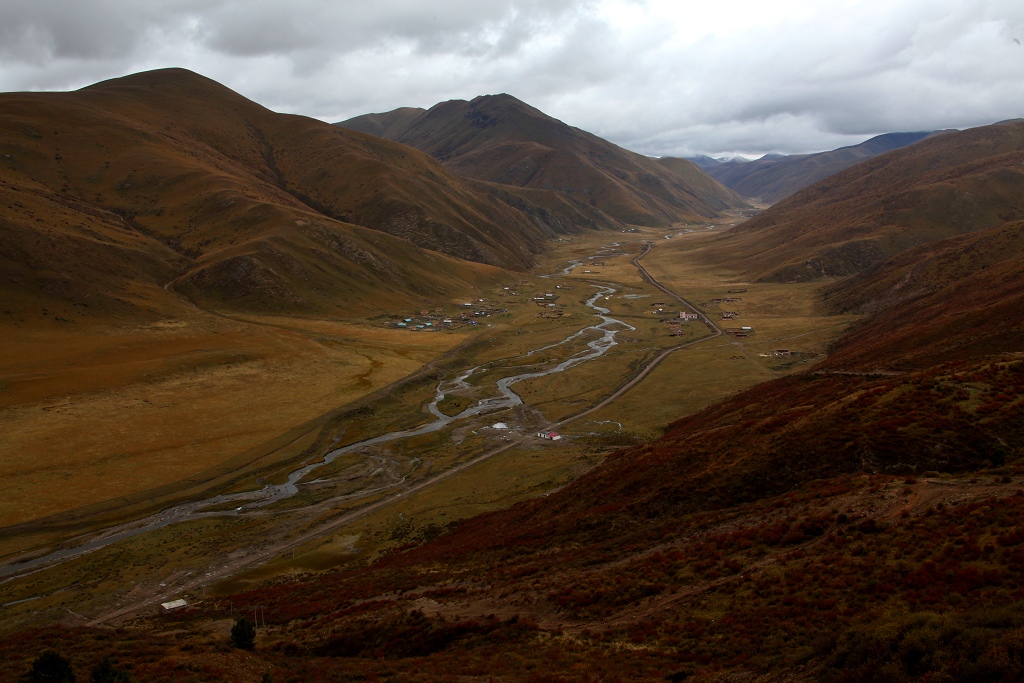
x: 657, y: 76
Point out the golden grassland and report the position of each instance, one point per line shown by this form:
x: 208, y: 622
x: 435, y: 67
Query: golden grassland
x: 94, y: 414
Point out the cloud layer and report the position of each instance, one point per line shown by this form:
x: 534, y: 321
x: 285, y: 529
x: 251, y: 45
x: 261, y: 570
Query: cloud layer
x: 661, y: 77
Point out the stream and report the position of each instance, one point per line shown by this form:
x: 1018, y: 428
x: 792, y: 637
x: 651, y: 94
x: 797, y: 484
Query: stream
x: 271, y: 493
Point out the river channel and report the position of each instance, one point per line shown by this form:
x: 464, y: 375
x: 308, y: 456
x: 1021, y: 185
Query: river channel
x: 271, y: 493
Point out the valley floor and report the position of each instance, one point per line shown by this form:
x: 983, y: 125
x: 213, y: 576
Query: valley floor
x: 240, y: 383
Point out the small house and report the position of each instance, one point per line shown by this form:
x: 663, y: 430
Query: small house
x: 173, y: 605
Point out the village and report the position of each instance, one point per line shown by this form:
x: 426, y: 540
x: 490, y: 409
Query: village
x: 473, y: 312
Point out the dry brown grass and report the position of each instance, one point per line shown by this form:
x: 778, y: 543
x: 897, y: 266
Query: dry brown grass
x: 100, y: 413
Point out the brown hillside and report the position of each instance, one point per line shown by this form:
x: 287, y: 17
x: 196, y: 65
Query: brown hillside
x: 942, y: 187
x: 132, y: 183
x: 497, y: 138
x: 950, y: 300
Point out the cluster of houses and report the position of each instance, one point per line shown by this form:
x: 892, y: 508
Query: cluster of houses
x: 437, y: 319
x: 782, y: 353
x: 548, y: 303
x: 675, y: 322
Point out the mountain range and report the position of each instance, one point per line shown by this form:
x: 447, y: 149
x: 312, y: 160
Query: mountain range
x: 167, y: 180
x: 776, y: 176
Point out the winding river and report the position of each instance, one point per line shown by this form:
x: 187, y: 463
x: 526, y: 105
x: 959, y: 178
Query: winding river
x: 238, y: 503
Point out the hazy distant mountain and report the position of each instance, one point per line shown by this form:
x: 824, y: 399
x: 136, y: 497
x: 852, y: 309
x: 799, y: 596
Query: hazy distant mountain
x: 497, y: 138
x: 775, y: 176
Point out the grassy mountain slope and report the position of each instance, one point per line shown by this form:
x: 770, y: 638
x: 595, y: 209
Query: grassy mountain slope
x: 499, y: 139
x: 956, y: 299
x: 773, y: 178
x: 945, y: 186
x: 167, y: 176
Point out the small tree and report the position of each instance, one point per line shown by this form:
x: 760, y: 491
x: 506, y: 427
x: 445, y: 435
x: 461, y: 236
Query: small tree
x: 107, y: 672
x: 50, y: 667
x: 243, y: 634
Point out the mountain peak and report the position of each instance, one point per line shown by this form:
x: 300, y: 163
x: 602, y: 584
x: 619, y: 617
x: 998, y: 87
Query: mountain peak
x: 171, y: 76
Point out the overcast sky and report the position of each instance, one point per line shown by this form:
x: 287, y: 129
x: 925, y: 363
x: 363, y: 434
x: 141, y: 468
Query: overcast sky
x: 660, y: 77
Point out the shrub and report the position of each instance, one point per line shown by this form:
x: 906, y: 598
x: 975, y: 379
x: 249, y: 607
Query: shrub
x: 243, y: 634
x: 50, y: 667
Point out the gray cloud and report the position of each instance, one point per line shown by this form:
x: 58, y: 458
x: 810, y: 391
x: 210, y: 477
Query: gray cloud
x: 657, y: 76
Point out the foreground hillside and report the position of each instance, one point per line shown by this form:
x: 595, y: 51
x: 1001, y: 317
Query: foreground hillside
x: 500, y: 139
x: 772, y: 178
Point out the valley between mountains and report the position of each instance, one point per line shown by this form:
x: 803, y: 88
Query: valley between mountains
x: 468, y: 394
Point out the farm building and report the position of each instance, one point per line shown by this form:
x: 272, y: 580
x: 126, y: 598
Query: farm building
x: 173, y: 605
